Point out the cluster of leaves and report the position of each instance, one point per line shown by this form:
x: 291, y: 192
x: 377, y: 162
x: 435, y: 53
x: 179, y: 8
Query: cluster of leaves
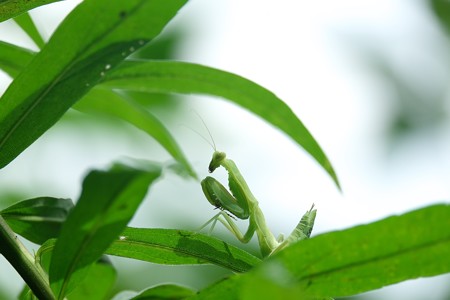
x: 84, y: 66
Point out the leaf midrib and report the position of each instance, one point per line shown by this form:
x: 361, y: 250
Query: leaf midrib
x: 104, y: 213
x: 183, y: 251
x: 380, y: 258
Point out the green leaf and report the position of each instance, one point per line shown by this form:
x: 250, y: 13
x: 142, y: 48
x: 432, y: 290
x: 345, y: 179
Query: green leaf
x: 100, y: 100
x: 44, y: 254
x: 13, y: 59
x: 187, y: 78
x: 27, y: 294
x: 165, y: 291
x: 441, y: 9
x: 106, y: 101
x: 98, y: 282
x: 95, y: 37
x: 175, y: 247
x: 38, y: 219
x: 102, y: 273
x: 356, y: 260
x: 26, y: 23
x: 12, y: 8
x: 108, y: 201
x: 166, y: 46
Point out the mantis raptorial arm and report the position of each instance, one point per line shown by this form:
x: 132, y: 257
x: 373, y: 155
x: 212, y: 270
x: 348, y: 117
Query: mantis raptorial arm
x: 242, y: 204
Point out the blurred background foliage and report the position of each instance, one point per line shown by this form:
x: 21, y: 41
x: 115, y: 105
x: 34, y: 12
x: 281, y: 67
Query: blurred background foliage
x: 415, y: 77
x: 411, y: 73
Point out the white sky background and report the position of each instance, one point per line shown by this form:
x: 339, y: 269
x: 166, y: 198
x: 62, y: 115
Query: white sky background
x: 303, y: 52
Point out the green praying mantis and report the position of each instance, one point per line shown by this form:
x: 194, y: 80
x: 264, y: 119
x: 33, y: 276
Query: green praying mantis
x: 242, y: 204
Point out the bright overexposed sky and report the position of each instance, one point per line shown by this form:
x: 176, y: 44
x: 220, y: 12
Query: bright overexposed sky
x: 309, y: 54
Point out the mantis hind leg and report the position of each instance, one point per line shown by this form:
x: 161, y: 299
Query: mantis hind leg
x: 228, y: 222
x: 213, y: 220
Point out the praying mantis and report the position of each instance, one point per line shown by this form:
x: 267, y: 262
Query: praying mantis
x: 242, y: 204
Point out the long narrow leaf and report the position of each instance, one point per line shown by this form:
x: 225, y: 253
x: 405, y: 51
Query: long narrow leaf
x: 13, y: 59
x: 175, y: 247
x: 108, y: 201
x: 12, y: 8
x: 163, y: 292
x: 26, y: 23
x: 101, y: 100
x: 89, y: 43
x: 178, y: 77
x: 38, y: 219
x: 352, y: 261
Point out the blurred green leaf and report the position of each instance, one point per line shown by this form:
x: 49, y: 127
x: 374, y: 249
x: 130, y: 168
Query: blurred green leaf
x: 12, y: 8
x: 227, y: 288
x: 441, y: 9
x: 165, y: 291
x: 108, y: 201
x: 164, y: 105
x: 26, y: 23
x: 11, y: 195
x: 13, y: 59
x: 256, y: 288
x: 178, y: 77
x: 175, y: 247
x: 38, y: 219
x: 26, y: 294
x: 98, y: 282
x: 356, y: 260
x: 165, y: 46
x: 95, y: 37
x: 106, y: 101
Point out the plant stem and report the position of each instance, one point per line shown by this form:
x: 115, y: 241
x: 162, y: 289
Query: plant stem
x: 19, y: 257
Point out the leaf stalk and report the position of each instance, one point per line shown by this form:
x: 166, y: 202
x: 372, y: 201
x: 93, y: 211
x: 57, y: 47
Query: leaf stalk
x: 19, y: 257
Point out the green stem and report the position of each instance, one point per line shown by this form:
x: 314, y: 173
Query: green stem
x: 19, y: 257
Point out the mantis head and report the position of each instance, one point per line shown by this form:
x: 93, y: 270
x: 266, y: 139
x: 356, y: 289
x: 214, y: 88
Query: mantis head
x: 216, y: 160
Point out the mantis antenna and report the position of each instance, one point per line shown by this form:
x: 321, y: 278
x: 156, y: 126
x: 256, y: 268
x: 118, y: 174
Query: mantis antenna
x: 213, y: 144
x: 242, y: 204
x: 210, y: 142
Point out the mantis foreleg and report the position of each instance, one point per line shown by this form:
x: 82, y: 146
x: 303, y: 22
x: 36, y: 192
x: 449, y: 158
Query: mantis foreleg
x: 242, y: 204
